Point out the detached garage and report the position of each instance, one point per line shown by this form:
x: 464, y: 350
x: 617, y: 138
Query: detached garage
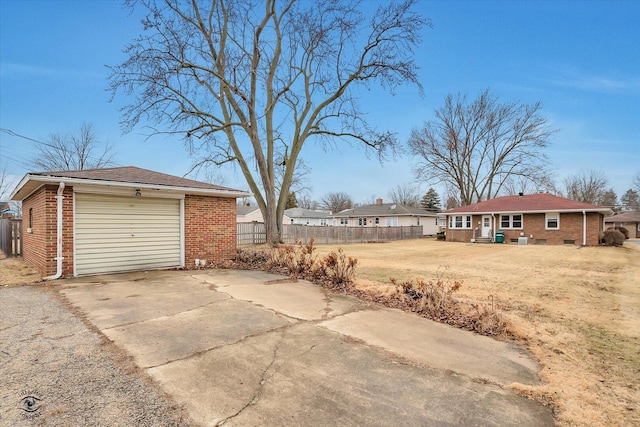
x: 123, y: 219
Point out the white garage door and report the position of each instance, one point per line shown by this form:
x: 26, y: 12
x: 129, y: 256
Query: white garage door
x: 114, y: 233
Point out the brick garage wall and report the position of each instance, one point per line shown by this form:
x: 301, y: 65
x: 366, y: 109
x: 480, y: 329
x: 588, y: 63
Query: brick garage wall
x: 39, y: 211
x: 210, y: 228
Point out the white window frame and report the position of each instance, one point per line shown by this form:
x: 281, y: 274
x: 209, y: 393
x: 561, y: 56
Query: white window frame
x: 547, y: 216
x: 465, y: 221
x: 511, y: 227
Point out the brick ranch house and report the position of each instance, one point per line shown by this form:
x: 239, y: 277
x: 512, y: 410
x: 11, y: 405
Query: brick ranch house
x: 542, y: 218
x: 123, y: 219
x: 629, y: 220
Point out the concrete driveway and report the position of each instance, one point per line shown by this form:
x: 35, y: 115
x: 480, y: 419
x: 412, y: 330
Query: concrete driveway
x: 250, y: 348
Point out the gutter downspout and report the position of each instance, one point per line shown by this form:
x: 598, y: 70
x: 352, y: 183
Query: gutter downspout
x: 493, y: 228
x: 59, y: 257
x: 584, y: 228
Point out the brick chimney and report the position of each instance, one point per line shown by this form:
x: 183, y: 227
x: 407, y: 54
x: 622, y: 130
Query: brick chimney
x: 378, y: 201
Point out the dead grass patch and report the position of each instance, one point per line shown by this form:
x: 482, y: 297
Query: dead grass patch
x: 576, y: 309
x: 16, y: 272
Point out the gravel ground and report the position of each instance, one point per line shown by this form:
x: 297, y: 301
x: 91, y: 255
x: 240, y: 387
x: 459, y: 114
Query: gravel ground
x: 57, y: 370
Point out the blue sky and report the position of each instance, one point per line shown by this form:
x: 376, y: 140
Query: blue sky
x: 580, y: 59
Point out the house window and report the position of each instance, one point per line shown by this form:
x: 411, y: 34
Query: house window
x: 516, y: 221
x: 552, y: 221
x: 511, y: 221
x: 344, y: 221
x: 323, y: 221
x: 377, y: 221
x: 362, y: 221
x: 460, y: 221
x: 30, y: 217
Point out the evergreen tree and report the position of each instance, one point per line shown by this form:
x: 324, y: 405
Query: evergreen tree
x: 292, y: 201
x: 431, y: 201
x: 630, y: 200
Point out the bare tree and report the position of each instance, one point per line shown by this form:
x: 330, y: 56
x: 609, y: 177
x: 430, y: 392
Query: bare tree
x: 336, y: 202
x: 74, y: 151
x: 587, y: 186
x: 306, y: 202
x: 405, y: 194
x: 251, y: 81
x: 475, y: 147
x: 515, y: 185
x: 5, y: 183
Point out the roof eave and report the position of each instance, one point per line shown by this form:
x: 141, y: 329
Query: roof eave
x: 23, y: 190
x: 577, y: 210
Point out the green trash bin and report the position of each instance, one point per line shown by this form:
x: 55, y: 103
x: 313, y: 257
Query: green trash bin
x: 499, y: 236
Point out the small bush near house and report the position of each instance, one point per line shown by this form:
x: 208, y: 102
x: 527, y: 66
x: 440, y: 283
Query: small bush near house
x: 612, y: 238
x: 623, y: 230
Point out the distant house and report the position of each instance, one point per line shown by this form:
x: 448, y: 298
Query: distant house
x: 307, y: 217
x: 246, y: 214
x: 629, y: 220
x: 536, y: 218
x: 387, y: 215
x: 6, y: 211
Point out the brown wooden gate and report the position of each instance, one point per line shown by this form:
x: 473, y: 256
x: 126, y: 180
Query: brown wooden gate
x: 11, y: 237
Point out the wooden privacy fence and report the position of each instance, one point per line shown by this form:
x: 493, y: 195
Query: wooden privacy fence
x: 11, y: 237
x: 253, y: 233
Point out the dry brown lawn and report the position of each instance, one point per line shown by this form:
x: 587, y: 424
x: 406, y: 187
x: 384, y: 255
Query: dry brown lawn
x: 577, y: 309
x: 14, y: 271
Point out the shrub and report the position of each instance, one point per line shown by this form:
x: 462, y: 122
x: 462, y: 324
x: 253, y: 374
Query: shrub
x: 624, y: 231
x: 434, y: 299
x: 338, y: 269
x: 612, y: 238
x: 250, y: 257
x: 300, y: 261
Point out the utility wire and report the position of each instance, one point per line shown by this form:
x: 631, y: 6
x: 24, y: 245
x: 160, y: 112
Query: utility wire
x: 12, y: 133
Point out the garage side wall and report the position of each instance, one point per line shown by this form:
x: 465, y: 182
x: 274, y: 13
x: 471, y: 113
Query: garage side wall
x: 209, y: 228
x: 40, y: 243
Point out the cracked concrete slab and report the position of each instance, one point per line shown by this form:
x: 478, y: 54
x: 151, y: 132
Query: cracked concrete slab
x: 306, y: 375
x: 168, y: 338
x: 108, y: 303
x: 251, y: 348
x: 300, y: 300
x: 439, y: 346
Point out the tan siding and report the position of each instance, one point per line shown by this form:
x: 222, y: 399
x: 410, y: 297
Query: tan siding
x: 121, y: 234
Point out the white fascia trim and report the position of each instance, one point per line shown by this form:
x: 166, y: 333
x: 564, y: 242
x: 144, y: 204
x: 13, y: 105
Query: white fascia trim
x: 579, y: 211
x: 116, y: 184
